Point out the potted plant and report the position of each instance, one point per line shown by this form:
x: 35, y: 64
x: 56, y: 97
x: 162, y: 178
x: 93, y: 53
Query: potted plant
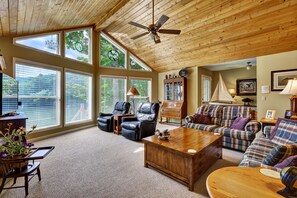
x: 15, y: 143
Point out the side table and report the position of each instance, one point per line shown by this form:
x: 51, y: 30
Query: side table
x: 242, y: 182
x: 267, y: 122
x: 117, y: 120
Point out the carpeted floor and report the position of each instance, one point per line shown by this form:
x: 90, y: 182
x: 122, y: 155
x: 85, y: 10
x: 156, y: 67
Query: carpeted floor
x: 93, y: 163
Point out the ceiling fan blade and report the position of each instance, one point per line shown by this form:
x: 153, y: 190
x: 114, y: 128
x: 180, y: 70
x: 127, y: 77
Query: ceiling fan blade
x: 138, y: 25
x: 161, y: 21
x: 167, y: 31
x: 140, y: 35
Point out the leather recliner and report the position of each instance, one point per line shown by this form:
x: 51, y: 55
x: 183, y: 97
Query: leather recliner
x: 143, y: 124
x: 105, y: 120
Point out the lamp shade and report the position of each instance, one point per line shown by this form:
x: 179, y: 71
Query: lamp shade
x: 291, y: 87
x: 133, y: 92
x: 231, y: 91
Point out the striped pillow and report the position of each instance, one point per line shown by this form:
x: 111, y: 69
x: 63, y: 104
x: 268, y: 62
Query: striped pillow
x: 286, y: 133
x: 279, y: 153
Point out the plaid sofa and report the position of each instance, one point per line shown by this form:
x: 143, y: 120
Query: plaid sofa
x: 264, y: 152
x: 222, y: 117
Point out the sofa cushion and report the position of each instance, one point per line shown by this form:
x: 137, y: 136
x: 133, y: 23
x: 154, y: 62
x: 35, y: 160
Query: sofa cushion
x: 234, y: 133
x: 202, y: 127
x: 272, y: 133
x: 131, y: 125
x: 229, y: 112
x: 214, y: 111
x: 202, y: 119
x: 239, y: 123
x: 289, y: 161
x: 237, y: 144
x: 286, y: 133
x: 279, y: 153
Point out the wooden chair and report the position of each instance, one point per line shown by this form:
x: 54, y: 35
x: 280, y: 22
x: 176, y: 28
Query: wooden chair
x: 14, y: 168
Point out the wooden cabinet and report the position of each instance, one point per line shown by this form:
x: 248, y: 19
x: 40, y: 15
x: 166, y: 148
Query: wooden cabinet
x: 175, y: 99
x: 16, y: 120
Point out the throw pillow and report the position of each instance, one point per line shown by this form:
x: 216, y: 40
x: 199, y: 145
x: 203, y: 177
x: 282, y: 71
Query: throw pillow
x: 202, y: 119
x: 279, y: 153
x: 239, y: 123
x: 290, y: 161
x: 286, y: 133
x: 272, y: 134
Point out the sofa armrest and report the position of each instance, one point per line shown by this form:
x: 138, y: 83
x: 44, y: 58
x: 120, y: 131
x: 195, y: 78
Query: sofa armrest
x: 189, y: 119
x: 253, y: 126
x: 128, y: 119
x: 104, y: 114
x: 267, y: 131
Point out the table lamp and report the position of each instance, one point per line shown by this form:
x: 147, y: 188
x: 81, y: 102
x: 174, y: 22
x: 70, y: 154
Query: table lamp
x: 133, y: 92
x: 291, y: 89
x: 232, y: 92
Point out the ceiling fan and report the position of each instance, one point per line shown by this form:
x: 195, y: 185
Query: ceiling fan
x: 154, y: 28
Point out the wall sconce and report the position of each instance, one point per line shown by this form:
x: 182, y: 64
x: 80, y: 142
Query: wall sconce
x: 232, y: 92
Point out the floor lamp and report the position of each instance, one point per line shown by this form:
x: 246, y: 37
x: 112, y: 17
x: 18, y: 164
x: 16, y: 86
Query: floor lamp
x: 291, y: 89
x: 133, y: 92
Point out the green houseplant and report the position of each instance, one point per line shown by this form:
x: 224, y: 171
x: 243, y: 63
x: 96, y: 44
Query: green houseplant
x: 15, y: 143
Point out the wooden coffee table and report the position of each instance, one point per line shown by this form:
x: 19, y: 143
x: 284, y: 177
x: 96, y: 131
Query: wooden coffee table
x: 172, y: 157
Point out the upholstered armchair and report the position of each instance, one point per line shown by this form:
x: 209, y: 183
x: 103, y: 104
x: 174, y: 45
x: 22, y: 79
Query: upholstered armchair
x: 105, y: 120
x: 143, y: 124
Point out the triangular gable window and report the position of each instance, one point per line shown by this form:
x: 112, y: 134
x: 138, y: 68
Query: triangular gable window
x: 47, y: 42
x: 136, y: 64
x: 111, y: 54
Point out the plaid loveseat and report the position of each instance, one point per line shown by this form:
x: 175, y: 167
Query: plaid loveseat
x: 222, y: 117
x: 265, y: 152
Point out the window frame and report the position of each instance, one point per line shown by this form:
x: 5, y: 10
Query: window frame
x: 59, y: 33
x: 140, y: 78
x: 58, y: 88
x: 90, y: 63
x: 91, y: 98
x: 112, y: 76
x: 125, y: 51
x: 141, y: 63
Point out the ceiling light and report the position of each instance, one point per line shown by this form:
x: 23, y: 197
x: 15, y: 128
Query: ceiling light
x: 249, y: 66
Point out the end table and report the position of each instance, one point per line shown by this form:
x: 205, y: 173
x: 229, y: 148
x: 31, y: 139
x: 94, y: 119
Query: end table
x: 117, y: 120
x: 267, y: 122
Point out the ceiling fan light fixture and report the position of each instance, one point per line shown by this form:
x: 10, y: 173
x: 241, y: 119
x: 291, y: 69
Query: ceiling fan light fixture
x: 152, y: 36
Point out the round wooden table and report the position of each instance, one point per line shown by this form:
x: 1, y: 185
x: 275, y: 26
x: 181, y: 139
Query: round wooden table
x: 243, y: 182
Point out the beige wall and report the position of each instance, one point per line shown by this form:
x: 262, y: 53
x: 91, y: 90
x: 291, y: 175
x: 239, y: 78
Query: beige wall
x: 191, y: 88
x: 10, y: 51
x: 273, y: 100
x: 230, y: 76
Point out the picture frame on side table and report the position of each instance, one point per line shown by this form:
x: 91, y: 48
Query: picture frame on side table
x: 279, y: 79
x: 246, y: 87
x: 270, y: 114
x: 288, y: 114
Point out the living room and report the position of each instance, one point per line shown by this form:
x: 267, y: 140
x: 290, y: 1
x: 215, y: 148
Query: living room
x: 103, y: 53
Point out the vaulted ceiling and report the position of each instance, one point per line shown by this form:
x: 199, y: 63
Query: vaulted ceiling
x: 212, y: 31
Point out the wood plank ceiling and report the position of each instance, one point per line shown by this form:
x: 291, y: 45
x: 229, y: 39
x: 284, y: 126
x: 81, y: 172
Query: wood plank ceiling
x: 212, y: 31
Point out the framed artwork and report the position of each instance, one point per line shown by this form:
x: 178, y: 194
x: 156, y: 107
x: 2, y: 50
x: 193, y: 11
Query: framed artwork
x: 270, y: 114
x: 279, y: 79
x: 246, y: 87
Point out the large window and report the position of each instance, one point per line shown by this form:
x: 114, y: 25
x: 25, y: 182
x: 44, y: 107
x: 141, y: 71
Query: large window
x: 47, y: 42
x: 78, y: 97
x: 111, y: 54
x: 39, y: 92
x: 112, y: 89
x: 144, y: 88
x: 78, y: 45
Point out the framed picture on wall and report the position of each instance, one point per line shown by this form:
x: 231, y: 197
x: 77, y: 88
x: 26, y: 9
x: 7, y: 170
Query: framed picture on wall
x: 280, y: 78
x: 246, y: 87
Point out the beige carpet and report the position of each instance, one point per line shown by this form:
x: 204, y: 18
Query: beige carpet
x: 93, y: 163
